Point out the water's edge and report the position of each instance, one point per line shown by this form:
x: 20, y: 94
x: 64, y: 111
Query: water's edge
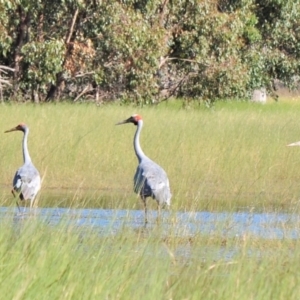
x: 261, y: 225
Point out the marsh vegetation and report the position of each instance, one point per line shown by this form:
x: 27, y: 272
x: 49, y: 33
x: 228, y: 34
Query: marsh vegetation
x: 229, y: 158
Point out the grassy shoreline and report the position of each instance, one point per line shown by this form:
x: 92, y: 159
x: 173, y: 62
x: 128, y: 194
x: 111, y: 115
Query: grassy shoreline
x: 66, y: 261
x: 231, y: 157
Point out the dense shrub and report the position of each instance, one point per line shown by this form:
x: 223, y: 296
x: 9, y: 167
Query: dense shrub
x: 146, y: 51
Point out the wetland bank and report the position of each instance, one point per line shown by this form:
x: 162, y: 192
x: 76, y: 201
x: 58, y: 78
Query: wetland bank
x: 231, y: 159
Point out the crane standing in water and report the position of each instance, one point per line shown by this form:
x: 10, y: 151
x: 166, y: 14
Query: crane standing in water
x: 27, y: 180
x: 150, y: 180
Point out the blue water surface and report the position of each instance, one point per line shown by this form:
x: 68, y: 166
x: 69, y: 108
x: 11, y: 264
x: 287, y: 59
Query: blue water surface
x: 225, y: 224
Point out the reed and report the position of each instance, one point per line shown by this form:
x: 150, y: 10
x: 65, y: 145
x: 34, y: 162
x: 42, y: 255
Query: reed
x: 231, y: 157
x: 66, y: 261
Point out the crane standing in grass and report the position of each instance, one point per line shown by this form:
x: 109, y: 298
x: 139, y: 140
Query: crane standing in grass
x: 150, y: 180
x: 27, y: 180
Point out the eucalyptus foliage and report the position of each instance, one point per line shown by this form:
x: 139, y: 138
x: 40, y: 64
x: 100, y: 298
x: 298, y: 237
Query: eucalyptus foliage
x: 147, y: 51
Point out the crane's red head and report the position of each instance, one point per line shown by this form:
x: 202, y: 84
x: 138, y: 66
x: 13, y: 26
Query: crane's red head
x: 21, y: 127
x: 133, y: 119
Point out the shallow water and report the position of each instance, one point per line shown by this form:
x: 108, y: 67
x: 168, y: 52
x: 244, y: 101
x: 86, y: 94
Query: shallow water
x: 225, y: 224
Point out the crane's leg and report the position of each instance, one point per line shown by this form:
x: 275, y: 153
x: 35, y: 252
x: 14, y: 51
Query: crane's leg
x: 158, y: 219
x: 31, y: 203
x: 18, y: 206
x: 145, y: 208
x: 12, y: 191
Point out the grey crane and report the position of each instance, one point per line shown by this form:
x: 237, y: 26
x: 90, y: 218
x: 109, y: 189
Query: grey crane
x: 150, y: 180
x: 27, y: 180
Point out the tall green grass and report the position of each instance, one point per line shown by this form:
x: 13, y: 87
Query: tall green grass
x: 69, y: 262
x: 230, y: 157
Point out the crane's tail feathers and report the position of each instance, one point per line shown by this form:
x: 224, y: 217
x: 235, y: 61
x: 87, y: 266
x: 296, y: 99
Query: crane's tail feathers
x: 21, y: 196
x: 36, y: 199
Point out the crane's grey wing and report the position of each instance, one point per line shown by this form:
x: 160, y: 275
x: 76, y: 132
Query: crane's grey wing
x: 152, y: 181
x: 158, y: 182
x: 138, y: 180
x: 27, y: 181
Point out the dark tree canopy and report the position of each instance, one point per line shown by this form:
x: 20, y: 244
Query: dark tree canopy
x: 146, y: 51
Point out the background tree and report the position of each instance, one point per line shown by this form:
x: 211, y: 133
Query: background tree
x: 147, y: 51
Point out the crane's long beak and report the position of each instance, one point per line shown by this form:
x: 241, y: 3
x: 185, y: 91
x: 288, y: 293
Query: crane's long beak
x: 124, y: 122
x: 294, y: 144
x: 10, y: 130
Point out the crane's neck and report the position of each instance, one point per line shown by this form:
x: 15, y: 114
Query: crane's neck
x: 26, y: 155
x: 136, y: 142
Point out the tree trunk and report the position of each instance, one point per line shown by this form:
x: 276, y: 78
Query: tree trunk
x: 22, y: 36
x: 35, y: 95
x: 55, y: 90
